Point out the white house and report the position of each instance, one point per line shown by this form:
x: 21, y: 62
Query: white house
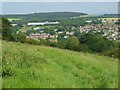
x: 88, y: 21
x: 53, y: 22
x: 36, y: 23
x: 36, y: 28
x: 14, y: 24
x: 41, y: 23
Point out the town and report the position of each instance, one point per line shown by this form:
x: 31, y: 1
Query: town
x: 50, y: 30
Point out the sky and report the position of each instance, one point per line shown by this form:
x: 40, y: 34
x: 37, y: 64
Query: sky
x: 59, y: 0
x: 32, y: 7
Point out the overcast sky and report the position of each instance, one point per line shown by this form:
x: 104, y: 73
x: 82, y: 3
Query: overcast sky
x: 59, y: 0
x: 32, y: 7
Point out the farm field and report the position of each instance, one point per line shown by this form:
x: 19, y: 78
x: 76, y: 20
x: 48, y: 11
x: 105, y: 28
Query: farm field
x: 11, y: 19
x: 34, y: 66
x: 109, y: 18
x: 90, y: 15
x: 24, y: 29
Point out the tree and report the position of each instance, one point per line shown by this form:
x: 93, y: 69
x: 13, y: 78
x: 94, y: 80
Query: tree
x: 32, y: 41
x: 62, y: 44
x: 95, y: 42
x: 84, y: 48
x: 73, y: 43
x: 114, y: 53
x: 6, y: 31
x: 20, y: 37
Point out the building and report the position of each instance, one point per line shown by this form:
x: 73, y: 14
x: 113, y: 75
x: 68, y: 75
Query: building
x: 41, y: 23
x: 36, y: 23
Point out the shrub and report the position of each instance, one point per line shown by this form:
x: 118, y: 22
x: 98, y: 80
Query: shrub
x: 111, y: 53
x: 83, y: 48
x: 7, y: 72
x: 72, y: 43
x: 6, y: 31
x: 20, y: 37
x: 32, y: 41
x: 53, y: 44
x: 62, y: 44
x: 96, y: 43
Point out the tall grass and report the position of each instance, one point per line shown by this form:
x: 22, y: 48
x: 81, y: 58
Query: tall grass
x: 34, y: 66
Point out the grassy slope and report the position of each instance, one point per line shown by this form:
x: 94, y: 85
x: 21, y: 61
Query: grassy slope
x: 39, y: 66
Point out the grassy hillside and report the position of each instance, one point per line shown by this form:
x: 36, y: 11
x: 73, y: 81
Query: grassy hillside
x: 41, y: 67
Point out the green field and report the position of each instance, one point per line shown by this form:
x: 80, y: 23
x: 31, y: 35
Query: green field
x: 24, y: 29
x: 11, y: 19
x: 35, y: 66
x: 90, y: 15
x: 108, y: 18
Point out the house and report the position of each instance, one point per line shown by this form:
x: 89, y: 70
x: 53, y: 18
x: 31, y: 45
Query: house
x: 53, y: 22
x: 88, y: 21
x: 66, y: 36
x: 36, y: 28
x: 36, y: 23
x: 60, y: 32
x: 41, y: 23
x: 38, y: 36
x: 14, y: 25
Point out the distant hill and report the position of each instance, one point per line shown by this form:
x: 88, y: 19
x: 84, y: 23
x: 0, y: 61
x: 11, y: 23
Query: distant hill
x: 34, y: 66
x: 40, y: 17
x: 47, y: 15
x: 109, y: 15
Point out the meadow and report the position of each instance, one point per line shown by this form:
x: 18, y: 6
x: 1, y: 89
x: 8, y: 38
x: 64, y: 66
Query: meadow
x: 14, y: 19
x: 35, y: 66
x: 109, y: 18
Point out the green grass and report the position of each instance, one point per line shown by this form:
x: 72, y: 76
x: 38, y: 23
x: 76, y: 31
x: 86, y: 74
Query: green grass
x: 90, y: 15
x: 15, y: 19
x: 24, y: 28
x: 35, y: 66
x: 109, y: 18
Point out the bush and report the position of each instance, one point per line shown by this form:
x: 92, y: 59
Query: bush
x: 43, y: 42
x: 111, y: 53
x: 6, y: 31
x: 7, y: 72
x: 62, y: 44
x: 96, y: 43
x: 52, y: 44
x: 72, y: 43
x: 20, y: 37
x: 83, y: 48
x: 32, y: 41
